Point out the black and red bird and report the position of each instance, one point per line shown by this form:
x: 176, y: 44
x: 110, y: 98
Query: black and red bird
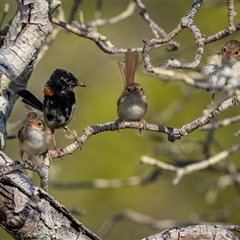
x: 59, y: 100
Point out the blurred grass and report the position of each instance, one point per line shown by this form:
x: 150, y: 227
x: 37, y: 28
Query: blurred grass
x: 116, y: 154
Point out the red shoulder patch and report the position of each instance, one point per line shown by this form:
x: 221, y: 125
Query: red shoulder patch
x: 48, y: 91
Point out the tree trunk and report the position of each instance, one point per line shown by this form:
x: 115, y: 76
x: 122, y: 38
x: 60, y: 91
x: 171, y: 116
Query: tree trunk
x: 28, y: 212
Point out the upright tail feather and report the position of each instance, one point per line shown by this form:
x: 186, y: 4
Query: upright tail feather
x: 30, y: 99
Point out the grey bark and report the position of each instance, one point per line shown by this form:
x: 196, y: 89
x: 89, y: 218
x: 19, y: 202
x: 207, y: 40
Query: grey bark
x: 197, y: 232
x: 28, y: 29
x: 28, y: 212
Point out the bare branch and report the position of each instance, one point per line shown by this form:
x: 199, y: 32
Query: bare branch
x: 26, y: 206
x: 138, y: 218
x: 194, y: 167
x: 225, y: 122
x: 156, y: 30
x: 203, y: 232
x: 177, y: 133
x: 186, y: 22
x: 110, y: 183
x: 173, y: 133
x: 103, y: 22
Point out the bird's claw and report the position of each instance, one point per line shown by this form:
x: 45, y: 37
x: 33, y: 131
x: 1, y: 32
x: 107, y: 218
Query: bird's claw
x: 118, y: 123
x: 60, y: 152
x: 143, y: 123
x: 79, y: 142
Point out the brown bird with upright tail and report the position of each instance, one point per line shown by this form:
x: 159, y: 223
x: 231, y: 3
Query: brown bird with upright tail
x: 132, y: 104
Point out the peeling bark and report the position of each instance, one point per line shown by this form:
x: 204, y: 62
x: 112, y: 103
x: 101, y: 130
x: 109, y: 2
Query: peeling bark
x: 28, y: 212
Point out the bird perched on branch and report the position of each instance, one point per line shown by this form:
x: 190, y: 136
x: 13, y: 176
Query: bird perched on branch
x: 59, y: 100
x: 217, y: 69
x: 132, y: 104
x: 35, y: 136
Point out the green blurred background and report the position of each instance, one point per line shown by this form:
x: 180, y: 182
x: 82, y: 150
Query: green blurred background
x: 111, y: 155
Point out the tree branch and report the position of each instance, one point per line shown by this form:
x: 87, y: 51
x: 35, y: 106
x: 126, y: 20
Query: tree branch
x: 25, y: 206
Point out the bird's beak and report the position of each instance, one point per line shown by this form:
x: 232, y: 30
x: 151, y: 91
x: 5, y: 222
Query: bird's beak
x: 29, y: 123
x: 80, y: 84
x: 228, y: 54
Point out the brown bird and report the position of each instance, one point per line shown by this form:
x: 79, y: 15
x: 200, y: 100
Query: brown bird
x: 34, y: 137
x: 132, y: 104
x: 228, y: 56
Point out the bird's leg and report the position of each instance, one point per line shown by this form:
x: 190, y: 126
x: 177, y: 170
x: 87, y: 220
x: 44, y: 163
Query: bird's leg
x: 212, y: 103
x: 235, y: 99
x: 21, y: 153
x: 144, y: 123
x: 79, y: 142
x: 45, y: 154
x: 118, y: 122
x: 59, y: 150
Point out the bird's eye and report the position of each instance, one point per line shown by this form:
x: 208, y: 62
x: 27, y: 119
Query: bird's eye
x: 141, y: 89
x: 224, y: 49
x: 128, y: 90
x: 39, y: 124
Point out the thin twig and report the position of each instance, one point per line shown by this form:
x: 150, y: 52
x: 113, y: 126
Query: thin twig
x: 191, y: 168
x: 108, y: 21
x: 223, y: 123
x: 110, y: 183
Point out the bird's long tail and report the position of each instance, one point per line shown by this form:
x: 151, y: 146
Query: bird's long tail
x: 30, y: 99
